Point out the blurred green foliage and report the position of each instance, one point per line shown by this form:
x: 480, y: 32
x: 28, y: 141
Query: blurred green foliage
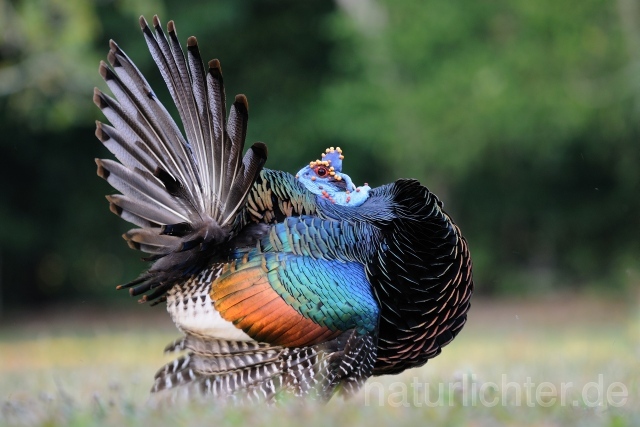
x: 522, y: 116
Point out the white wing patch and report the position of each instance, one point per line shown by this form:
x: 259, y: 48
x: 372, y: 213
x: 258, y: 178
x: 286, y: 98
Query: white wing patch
x: 192, y: 310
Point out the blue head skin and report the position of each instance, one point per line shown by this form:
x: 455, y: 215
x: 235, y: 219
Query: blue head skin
x: 325, y: 179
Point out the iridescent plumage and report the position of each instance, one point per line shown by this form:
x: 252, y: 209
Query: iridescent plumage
x: 281, y: 284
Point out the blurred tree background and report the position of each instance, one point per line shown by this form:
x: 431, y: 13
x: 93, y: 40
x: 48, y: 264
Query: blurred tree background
x: 522, y: 116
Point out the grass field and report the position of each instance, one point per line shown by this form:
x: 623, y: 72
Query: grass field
x: 557, y: 362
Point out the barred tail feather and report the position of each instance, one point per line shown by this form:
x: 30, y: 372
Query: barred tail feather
x: 183, y: 191
x: 240, y: 370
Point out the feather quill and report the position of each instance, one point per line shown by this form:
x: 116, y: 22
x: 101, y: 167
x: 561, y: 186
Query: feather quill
x: 184, y: 191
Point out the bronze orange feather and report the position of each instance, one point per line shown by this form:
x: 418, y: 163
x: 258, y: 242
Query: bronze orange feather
x: 246, y: 298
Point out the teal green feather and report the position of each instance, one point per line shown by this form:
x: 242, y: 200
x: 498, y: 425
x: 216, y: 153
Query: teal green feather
x: 322, y: 239
x: 332, y: 293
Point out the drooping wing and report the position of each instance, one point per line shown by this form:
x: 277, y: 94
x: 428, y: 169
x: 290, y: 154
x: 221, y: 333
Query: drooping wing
x: 183, y: 193
x: 310, y: 310
x: 293, y: 301
x: 313, y: 308
x: 304, y: 282
x: 241, y: 370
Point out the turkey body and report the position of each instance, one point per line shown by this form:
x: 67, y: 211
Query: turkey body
x: 281, y: 284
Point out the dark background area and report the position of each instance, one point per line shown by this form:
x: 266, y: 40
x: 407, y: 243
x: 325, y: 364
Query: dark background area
x: 522, y: 116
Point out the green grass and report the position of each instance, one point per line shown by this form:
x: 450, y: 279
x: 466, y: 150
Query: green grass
x: 93, y: 367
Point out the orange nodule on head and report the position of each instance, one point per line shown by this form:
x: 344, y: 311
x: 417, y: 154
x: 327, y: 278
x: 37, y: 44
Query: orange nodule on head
x: 332, y: 160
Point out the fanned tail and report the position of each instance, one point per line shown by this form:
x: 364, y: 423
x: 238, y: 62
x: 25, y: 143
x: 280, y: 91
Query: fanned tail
x: 183, y: 193
x: 241, y: 371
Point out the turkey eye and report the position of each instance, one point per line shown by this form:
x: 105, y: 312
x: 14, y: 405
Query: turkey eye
x: 321, y: 172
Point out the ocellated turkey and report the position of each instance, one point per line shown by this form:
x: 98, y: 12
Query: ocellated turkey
x: 281, y: 284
